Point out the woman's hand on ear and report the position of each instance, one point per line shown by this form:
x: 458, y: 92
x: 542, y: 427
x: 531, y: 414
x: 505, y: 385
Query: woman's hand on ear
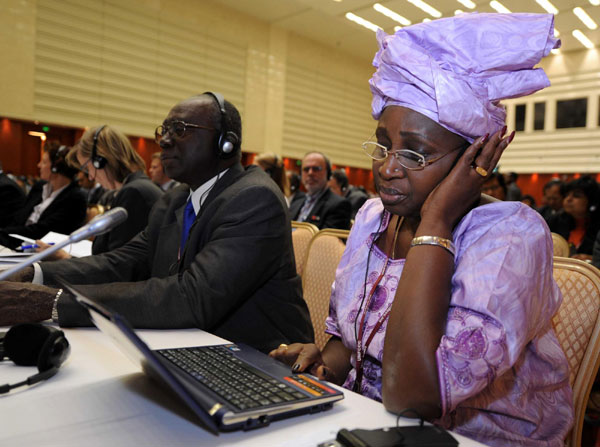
x: 456, y: 194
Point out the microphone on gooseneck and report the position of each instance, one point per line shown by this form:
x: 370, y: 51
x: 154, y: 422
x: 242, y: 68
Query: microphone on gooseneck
x: 98, y: 225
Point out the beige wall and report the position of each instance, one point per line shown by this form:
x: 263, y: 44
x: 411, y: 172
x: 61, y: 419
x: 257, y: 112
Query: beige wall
x: 88, y: 62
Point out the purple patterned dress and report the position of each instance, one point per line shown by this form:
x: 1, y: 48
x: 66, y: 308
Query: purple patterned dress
x: 503, y: 376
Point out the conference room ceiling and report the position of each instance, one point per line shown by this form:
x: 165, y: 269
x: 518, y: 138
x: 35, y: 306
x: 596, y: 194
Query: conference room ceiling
x: 325, y: 20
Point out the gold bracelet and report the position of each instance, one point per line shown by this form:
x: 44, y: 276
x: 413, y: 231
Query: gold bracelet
x: 434, y: 240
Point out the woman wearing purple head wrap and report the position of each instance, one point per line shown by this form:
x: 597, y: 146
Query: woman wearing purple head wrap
x: 443, y: 299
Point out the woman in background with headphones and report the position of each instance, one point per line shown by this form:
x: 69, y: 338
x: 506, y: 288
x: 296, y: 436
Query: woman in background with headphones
x: 54, y: 204
x: 107, y: 157
x: 272, y: 164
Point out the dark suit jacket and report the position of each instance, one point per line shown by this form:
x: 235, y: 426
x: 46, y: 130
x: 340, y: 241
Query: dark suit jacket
x: 64, y: 215
x: 330, y: 211
x: 137, y: 195
x: 12, y: 198
x: 236, y: 277
x: 357, y: 198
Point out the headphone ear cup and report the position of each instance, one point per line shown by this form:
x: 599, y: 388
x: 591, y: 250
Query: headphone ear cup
x: 23, y: 343
x: 227, y: 144
x: 99, y: 162
x: 54, y: 352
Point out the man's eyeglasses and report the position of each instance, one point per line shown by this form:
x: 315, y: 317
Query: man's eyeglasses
x: 307, y: 169
x: 410, y: 160
x: 176, y: 128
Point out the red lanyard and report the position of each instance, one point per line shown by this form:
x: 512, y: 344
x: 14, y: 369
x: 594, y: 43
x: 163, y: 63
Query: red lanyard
x: 360, y: 352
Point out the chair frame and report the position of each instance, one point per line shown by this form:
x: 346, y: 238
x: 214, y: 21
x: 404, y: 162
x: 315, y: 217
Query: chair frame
x: 312, y: 230
x: 560, y: 243
x: 590, y: 362
x: 342, y: 234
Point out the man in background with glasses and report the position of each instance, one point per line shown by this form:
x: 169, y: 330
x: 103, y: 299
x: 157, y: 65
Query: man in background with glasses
x: 320, y: 207
x: 216, y: 254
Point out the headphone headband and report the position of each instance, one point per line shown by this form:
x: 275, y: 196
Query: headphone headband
x: 227, y: 139
x: 98, y: 161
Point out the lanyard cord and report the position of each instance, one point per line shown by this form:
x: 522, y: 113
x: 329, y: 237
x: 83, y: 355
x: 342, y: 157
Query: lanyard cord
x: 360, y: 351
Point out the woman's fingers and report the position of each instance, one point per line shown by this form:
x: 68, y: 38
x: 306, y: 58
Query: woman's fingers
x: 487, y: 159
x: 299, y: 356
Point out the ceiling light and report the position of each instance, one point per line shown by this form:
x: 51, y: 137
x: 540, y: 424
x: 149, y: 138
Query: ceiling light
x: 467, y: 4
x: 583, y: 39
x: 41, y: 135
x: 397, y: 28
x: 499, y: 7
x: 595, y: 2
x: 587, y: 20
x: 391, y: 14
x: 556, y: 33
x: 458, y: 11
x: 427, y: 8
x: 549, y: 7
x: 555, y: 51
x: 362, y: 22
x: 426, y: 19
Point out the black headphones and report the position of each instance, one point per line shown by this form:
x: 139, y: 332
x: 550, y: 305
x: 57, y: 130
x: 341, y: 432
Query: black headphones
x: 31, y: 344
x: 227, y: 139
x: 58, y: 159
x: 98, y: 161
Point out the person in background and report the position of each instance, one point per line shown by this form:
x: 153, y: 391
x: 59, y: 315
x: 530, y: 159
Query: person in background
x: 528, y: 200
x: 106, y: 155
x: 55, y: 204
x: 295, y: 193
x: 552, y: 199
x: 443, y: 300
x: 513, y: 192
x: 158, y: 176
x: 320, y: 207
x: 94, y: 191
x: 579, y: 221
x: 272, y: 164
x: 12, y: 198
x: 494, y: 186
x: 339, y: 185
x: 216, y: 254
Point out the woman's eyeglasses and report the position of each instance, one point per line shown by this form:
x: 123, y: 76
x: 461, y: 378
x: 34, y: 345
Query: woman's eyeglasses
x: 176, y: 128
x: 408, y: 159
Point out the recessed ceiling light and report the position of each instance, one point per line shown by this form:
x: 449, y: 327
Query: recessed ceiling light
x: 391, y: 14
x: 595, y: 2
x: 458, y: 11
x: 583, y: 39
x: 467, y: 4
x: 362, y: 22
x: 556, y: 33
x: 587, y: 20
x: 397, y: 28
x: 426, y: 7
x: 549, y: 7
x: 555, y: 51
x: 499, y: 7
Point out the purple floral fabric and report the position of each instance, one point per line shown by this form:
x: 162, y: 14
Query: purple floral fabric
x: 504, y: 379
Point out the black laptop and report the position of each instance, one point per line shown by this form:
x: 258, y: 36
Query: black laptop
x: 229, y: 387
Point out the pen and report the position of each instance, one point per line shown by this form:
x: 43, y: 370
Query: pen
x: 32, y: 246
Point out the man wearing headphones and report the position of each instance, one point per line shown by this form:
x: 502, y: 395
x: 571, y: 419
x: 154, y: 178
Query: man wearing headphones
x: 216, y: 254
x: 320, y: 207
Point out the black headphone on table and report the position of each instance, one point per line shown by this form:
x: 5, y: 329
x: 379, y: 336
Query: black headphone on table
x: 227, y: 139
x: 32, y: 344
x: 98, y: 161
x: 59, y: 159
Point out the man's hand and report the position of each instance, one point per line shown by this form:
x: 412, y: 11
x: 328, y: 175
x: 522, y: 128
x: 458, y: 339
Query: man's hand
x: 25, y: 303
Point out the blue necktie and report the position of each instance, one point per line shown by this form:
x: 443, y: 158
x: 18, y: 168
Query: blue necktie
x: 188, y: 219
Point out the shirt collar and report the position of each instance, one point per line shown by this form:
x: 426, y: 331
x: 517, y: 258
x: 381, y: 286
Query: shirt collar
x: 199, y: 195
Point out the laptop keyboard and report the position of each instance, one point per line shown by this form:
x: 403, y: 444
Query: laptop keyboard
x: 238, y: 383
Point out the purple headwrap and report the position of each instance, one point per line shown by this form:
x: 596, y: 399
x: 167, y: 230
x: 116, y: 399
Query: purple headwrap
x: 456, y: 70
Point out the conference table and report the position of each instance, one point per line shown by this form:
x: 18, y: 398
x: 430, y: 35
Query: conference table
x: 100, y: 398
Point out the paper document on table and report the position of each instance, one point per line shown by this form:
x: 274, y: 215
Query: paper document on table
x: 78, y: 249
